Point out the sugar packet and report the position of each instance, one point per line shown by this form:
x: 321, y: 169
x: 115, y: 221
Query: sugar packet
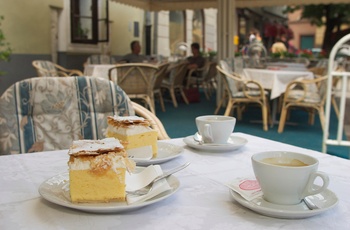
x: 248, y: 188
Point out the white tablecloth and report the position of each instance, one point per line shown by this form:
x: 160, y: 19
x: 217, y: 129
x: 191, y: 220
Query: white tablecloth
x: 202, y: 202
x: 98, y: 70
x: 275, y: 80
x: 289, y: 66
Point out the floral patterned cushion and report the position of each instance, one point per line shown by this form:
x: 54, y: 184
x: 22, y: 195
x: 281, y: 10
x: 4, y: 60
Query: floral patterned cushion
x: 48, y: 113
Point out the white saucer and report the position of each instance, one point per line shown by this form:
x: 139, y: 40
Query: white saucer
x: 56, y: 190
x: 325, y: 200
x: 233, y: 143
x: 166, y: 152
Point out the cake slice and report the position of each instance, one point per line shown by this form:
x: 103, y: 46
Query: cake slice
x: 97, y: 170
x: 134, y: 133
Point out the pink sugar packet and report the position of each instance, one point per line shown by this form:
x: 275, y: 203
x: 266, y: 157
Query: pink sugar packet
x: 248, y: 188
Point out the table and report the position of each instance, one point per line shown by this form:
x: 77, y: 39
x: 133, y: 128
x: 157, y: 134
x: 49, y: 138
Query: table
x: 202, y: 202
x: 275, y: 80
x: 99, y: 70
x: 289, y: 66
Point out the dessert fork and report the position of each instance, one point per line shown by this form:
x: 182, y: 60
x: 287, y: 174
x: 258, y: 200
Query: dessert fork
x: 149, y: 188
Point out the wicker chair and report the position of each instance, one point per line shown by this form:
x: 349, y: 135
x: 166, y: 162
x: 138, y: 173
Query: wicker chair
x: 175, y: 80
x: 156, y: 124
x: 100, y: 59
x: 48, y: 113
x: 306, y: 94
x: 50, y: 69
x: 157, y: 91
x: 242, y: 92
x: 137, y: 80
x: 205, y: 80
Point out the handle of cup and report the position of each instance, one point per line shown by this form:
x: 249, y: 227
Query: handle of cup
x: 207, y: 134
x: 309, y: 188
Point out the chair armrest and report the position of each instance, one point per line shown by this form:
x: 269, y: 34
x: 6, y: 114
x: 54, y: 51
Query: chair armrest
x: 253, y: 86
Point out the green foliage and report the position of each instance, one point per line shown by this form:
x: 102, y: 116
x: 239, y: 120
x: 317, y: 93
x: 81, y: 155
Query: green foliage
x: 5, y: 50
x: 332, y: 16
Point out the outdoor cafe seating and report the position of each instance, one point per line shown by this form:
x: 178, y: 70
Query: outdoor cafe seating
x: 48, y: 68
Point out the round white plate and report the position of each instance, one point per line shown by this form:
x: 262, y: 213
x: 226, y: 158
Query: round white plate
x: 325, y: 201
x: 166, y: 152
x: 233, y: 143
x: 56, y: 190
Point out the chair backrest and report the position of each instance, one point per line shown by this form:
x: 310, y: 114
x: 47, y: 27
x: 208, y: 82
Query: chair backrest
x: 232, y: 84
x: 212, y: 71
x: 101, y: 59
x: 178, y: 73
x: 156, y: 124
x: 45, y: 68
x: 160, y: 75
x: 136, y: 78
x: 48, y: 113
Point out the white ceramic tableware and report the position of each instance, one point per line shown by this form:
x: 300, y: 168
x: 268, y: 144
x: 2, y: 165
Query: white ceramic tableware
x: 286, y: 177
x: 215, y: 128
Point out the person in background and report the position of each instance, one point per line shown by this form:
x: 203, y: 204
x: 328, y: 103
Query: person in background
x: 196, y: 60
x: 134, y: 56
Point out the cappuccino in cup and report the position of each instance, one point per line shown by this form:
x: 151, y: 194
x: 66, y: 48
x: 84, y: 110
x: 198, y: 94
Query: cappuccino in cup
x: 287, y: 177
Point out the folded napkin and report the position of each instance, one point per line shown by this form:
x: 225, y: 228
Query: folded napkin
x: 142, y: 153
x: 136, y: 181
x: 248, y: 188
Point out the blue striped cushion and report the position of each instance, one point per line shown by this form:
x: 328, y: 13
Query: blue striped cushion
x: 48, y: 113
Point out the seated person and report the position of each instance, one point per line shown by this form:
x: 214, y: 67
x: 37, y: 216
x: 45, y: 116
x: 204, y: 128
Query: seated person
x: 134, y: 56
x: 196, y: 61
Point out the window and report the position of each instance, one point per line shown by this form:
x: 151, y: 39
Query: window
x: 89, y: 21
x: 197, y: 27
x: 176, y: 29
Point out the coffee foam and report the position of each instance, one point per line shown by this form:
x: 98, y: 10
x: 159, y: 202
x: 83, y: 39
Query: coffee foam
x: 284, y: 161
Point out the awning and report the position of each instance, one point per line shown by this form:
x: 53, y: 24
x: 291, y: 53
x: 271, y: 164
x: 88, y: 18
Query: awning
x: 157, y: 5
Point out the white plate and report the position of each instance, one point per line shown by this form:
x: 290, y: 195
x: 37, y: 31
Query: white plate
x: 166, y: 152
x: 325, y: 200
x: 233, y: 143
x: 56, y: 190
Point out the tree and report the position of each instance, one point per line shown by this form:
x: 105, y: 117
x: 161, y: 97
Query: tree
x: 5, y: 50
x: 332, y: 16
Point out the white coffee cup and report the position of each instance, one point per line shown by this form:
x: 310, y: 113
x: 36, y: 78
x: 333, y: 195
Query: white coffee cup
x: 215, y: 128
x: 287, y: 177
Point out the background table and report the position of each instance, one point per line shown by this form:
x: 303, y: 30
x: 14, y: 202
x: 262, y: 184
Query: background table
x: 98, y: 70
x: 275, y: 80
x: 202, y: 202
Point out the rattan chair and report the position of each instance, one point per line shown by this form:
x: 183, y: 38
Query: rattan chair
x: 205, y: 80
x: 175, y: 80
x: 98, y: 59
x: 240, y: 92
x: 157, y: 89
x: 137, y: 80
x: 50, y: 69
x: 156, y: 124
x: 306, y: 94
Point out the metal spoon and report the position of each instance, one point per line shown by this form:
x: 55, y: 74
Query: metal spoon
x: 198, y: 138
x: 310, y: 204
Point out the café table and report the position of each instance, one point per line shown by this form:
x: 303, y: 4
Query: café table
x: 276, y: 81
x: 201, y: 202
x: 99, y: 70
x: 289, y: 66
